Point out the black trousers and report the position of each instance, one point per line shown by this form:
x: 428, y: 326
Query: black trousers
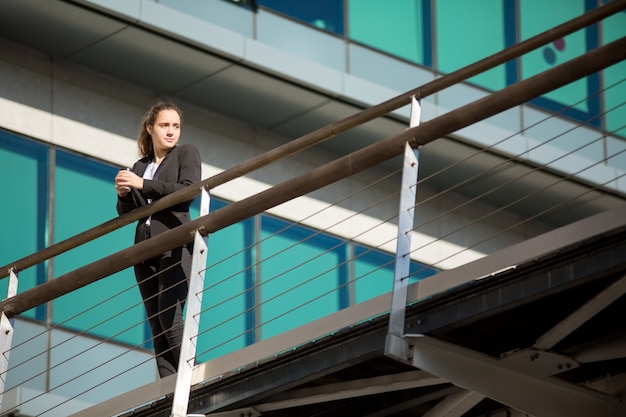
x: 163, y: 283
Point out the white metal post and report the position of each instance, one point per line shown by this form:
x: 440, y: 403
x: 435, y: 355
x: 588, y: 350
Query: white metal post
x: 394, y: 345
x: 403, y: 247
x: 6, y: 336
x: 192, y: 320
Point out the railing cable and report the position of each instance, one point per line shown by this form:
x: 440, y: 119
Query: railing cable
x: 322, y: 134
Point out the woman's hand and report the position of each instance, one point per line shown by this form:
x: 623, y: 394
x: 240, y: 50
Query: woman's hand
x: 125, y: 180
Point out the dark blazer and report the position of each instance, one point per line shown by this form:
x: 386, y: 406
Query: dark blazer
x: 180, y: 168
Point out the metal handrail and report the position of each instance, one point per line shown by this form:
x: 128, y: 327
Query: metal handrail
x: 318, y: 136
x: 343, y: 167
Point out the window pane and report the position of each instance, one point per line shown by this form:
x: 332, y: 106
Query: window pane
x: 24, y: 211
x: 419, y: 271
x: 227, y: 316
x: 614, y: 28
x: 400, y: 27
x: 374, y: 272
x: 468, y: 31
x: 303, y: 276
x: 578, y: 43
x: 84, y: 198
x: 323, y: 14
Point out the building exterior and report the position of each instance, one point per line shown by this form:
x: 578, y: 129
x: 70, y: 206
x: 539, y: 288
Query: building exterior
x: 76, y: 77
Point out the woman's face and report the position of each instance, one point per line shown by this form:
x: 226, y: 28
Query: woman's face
x: 165, y: 131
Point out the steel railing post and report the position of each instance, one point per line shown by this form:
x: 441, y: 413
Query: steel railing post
x: 192, y: 319
x: 6, y: 335
x: 403, y: 247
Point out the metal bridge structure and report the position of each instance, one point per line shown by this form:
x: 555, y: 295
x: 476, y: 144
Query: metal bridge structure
x: 533, y: 329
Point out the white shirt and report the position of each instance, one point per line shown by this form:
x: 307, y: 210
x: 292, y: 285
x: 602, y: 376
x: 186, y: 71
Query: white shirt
x: 148, y: 175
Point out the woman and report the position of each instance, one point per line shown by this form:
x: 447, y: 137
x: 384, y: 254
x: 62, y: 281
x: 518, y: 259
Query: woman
x: 164, y: 167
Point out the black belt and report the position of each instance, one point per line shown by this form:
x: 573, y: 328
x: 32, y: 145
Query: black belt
x: 147, y: 228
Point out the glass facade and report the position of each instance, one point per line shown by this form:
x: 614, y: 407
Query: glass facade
x: 264, y: 275
x: 462, y: 37
x: 228, y: 302
x: 25, y: 220
x: 403, y: 30
x: 446, y: 35
x: 304, y: 274
x: 615, y: 78
x: 580, y: 99
x: 71, y: 217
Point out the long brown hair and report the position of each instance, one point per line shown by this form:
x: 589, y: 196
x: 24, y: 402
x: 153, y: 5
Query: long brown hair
x: 144, y: 141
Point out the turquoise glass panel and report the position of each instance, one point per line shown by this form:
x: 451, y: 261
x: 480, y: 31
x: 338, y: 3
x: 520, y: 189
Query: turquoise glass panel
x: 227, y: 316
x: 303, y: 276
x: 537, y: 16
x: 23, y: 213
x: 374, y: 272
x: 614, y: 28
x: 399, y: 27
x: 419, y: 271
x: 111, y: 307
x: 468, y: 31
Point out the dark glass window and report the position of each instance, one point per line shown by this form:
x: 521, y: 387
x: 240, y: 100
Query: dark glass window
x: 245, y: 3
x: 323, y: 14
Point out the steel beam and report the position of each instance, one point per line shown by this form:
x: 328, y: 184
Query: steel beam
x: 536, y: 283
x: 328, y: 335
x: 455, y: 404
x: 350, y: 389
x: 405, y: 405
x: 580, y: 316
x: 538, y: 396
x: 292, y: 371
